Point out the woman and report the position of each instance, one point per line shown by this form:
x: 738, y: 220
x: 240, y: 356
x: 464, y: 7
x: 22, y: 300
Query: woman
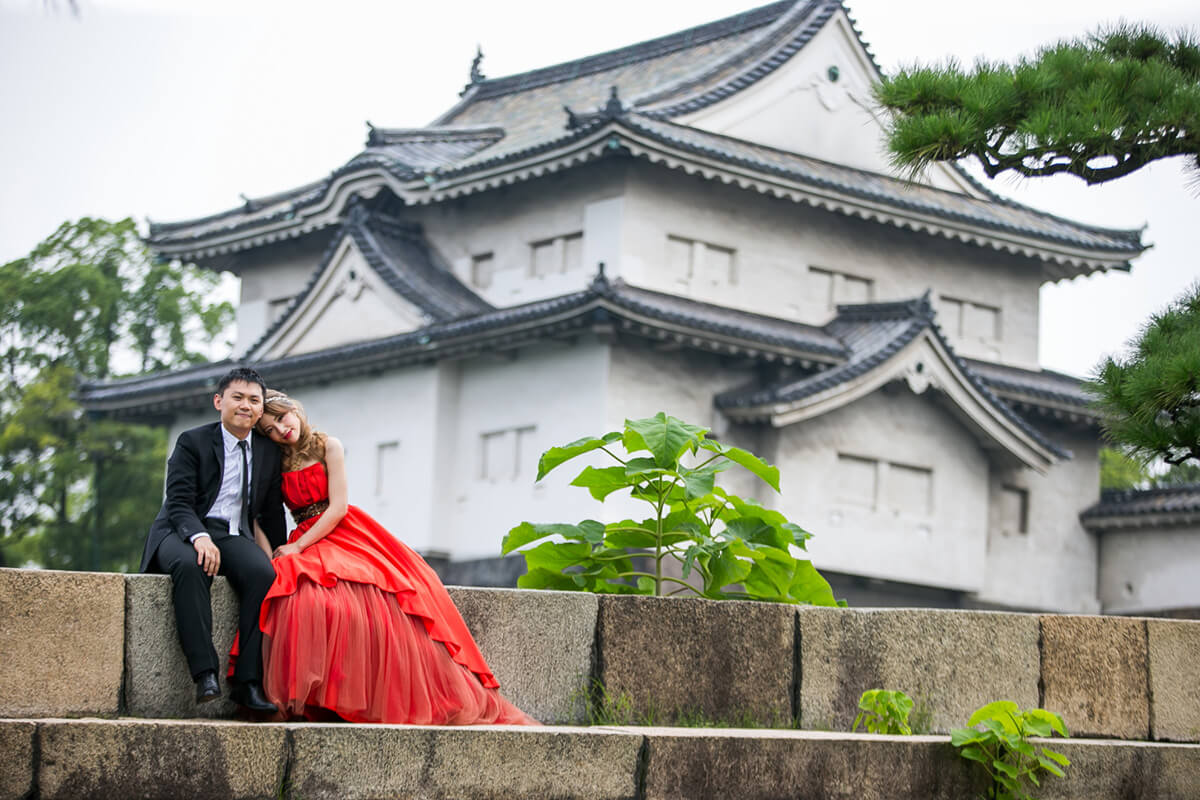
x: 357, y: 625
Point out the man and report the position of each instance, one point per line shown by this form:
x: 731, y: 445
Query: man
x: 221, y: 479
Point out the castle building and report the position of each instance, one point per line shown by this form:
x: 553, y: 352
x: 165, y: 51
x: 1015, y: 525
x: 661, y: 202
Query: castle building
x: 705, y: 224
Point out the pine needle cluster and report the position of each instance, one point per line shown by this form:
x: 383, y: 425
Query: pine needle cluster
x: 1150, y: 400
x: 1099, y: 108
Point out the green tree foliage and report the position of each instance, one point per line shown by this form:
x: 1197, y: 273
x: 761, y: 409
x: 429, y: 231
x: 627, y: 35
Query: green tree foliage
x: 78, y: 492
x: 1185, y: 474
x: 1150, y: 400
x: 1099, y: 108
x: 1119, y: 471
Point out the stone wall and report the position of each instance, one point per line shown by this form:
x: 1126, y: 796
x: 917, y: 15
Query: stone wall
x: 102, y: 645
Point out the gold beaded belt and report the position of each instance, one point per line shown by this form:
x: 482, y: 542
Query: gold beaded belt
x: 308, y: 512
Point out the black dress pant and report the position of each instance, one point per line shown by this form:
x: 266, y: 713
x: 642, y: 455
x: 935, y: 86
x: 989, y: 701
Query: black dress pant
x: 249, y: 571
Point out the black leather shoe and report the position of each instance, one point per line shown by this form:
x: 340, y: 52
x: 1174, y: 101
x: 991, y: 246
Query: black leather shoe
x: 207, y: 687
x: 250, y: 695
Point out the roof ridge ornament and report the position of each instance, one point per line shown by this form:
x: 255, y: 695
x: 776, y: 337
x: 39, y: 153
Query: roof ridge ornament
x: 600, y: 282
x: 373, y: 136
x: 612, y: 109
x: 476, y: 77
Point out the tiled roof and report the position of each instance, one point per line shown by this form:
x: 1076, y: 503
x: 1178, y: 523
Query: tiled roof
x: 1044, y: 389
x: 649, y: 53
x: 873, y: 333
x: 694, y: 324
x: 1144, y: 507
x: 885, y: 189
x: 503, y: 121
x: 399, y: 253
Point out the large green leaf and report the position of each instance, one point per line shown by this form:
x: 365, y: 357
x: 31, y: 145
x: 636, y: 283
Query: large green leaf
x: 602, y: 482
x: 758, y: 531
x: 557, y: 455
x: 547, y: 579
x: 1054, y: 720
x: 744, y: 458
x: 665, y: 436
x: 1002, y: 711
x: 640, y: 538
x: 699, y: 482
x: 557, y: 556
x: 724, y: 568
x: 770, y: 577
x: 810, y: 587
x: 587, y: 531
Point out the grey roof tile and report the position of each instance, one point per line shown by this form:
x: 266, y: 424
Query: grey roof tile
x: 892, y: 191
x: 1145, y: 503
x: 874, y: 333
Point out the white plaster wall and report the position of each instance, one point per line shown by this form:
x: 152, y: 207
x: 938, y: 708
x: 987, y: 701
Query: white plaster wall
x: 799, y: 108
x: 776, y: 241
x: 644, y: 381
x: 506, y: 221
x: 944, y: 548
x: 1149, y: 570
x: 1052, y: 566
x: 271, y: 273
x: 561, y: 389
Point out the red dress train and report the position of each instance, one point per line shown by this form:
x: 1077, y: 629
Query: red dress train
x: 359, y: 625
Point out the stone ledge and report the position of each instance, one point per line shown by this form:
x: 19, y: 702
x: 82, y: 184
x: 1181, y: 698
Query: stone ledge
x: 157, y: 758
x: 61, y: 643
x: 949, y: 662
x: 727, y: 661
x: 157, y: 682
x: 538, y: 644
x: 1174, y: 681
x: 484, y: 761
x: 16, y: 759
x: 151, y: 759
x: 1095, y: 674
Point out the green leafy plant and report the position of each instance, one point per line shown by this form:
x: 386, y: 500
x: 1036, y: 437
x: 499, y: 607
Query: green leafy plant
x: 884, y: 712
x: 1003, y: 747
x: 726, y: 547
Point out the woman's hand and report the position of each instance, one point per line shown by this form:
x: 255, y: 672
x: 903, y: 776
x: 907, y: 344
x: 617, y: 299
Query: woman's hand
x: 286, y: 550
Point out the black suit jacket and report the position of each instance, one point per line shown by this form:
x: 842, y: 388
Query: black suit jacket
x: 194, y: 479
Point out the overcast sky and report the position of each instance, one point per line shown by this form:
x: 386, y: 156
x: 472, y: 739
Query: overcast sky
x: 170, y: 109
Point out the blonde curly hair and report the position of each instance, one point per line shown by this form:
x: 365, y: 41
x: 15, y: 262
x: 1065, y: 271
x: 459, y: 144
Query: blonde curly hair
x: 310, y: 443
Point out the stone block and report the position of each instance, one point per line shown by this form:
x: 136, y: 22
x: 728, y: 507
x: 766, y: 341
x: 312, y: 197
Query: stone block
x: 949, y: 662
x: 1094, y: 674
x: 725, y: 661
x: 160, y: 759
x: 538, y: 644
x: 157, y: 681
x: 1173, y: 647
x: 480, y: 762
x: 687, y: 764
x: 16, y: 758
x: 61, y: 641
x: 1126, y: 770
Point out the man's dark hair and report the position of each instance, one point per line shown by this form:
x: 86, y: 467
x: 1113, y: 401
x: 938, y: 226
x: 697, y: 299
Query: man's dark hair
x: 241, y: 374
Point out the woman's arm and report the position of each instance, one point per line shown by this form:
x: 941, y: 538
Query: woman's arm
x: 335, y: 469
x: 260, y: 539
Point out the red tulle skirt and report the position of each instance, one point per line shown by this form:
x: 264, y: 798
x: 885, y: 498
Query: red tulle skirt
x: 350, y: 652
x: 358, y: 627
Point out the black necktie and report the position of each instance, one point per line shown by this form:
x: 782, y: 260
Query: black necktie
x: 245, y: 520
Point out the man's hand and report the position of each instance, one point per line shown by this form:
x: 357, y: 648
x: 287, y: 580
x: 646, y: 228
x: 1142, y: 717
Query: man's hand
x: 286, y: 550
x: 208, y: 556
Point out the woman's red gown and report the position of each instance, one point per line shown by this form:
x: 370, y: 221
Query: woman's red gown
x: 359, y: 625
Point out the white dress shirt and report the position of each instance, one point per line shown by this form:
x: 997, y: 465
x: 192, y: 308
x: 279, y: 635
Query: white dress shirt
x: 228, y: 503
